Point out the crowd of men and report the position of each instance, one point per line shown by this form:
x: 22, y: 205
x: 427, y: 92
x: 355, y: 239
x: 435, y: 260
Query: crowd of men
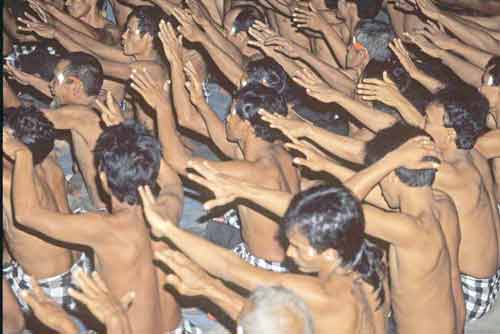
x: 250, y: 166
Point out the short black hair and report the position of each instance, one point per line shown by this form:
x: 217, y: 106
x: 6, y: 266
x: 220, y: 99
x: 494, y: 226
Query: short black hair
x: 375, y: 36
x: 389, y: 139
x: 493, y: 67
x: 246, y: 18
x: 41, y: 61
x: 331, y: 217
x: 87, y: 69
x: 130, y: 157
x: 250, y: 99
x: 32, y: 128
x: 332, y: 4
x: 367, y: 9
x: 19, y: 7
x: 268, y: 72
x: 149, y: 18
x: 465, y: 110
x: 330, y: 117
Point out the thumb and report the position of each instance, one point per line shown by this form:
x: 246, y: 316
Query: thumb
x: 126, y: 301
x: 175, y: 281
x: 387, y: 79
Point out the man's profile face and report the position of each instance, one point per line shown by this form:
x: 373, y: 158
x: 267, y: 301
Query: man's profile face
x: 79, y: 8
x: 133, y: 41
x: 301, y: 252
x: 434, y: 124
x: 60, y: 86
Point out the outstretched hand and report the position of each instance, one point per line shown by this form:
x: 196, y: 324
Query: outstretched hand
x: 110, y: 113
x: 35, y: 25
x: 384, y: 90
x: 188, y: 278
x: 152, y: 212
x: 152, y: 91
x: 225, y: 188
x: 306, y: 16
x: 98, y: 299
x: 403, y: 56
x: 415, y: 153
x: 47, y: 310
x: 172, y: 44
x: 10, y: 144
x: 315, y: 86
x: 313, y: 159
x: 194, y: 84
x: 293, y: 129
x: 425, y: 45
x: 187, y: 26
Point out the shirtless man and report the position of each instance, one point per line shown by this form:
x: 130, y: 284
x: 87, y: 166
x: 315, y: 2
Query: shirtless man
x: 325, y: 242
x: 250, y: 142
x: 35, y: 255
x: 138, y: 50
x: 456, y: 117
x: 425, y: 291
x: 491, y: 90
x: 127, y: 156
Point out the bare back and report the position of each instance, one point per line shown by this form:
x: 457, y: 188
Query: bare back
x: 37, y: 254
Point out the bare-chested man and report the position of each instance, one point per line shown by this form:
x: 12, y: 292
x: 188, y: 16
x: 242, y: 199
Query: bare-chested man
x: 127, y: 156
x: 456, y: 117
x: 424, y: 236
x: 324, y: 226
x: 35, y: 255
x: 246, y: 139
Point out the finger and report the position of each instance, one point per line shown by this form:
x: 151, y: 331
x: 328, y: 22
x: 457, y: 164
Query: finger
x: 81, y: 297
x: 30, y: 299
x: 220, y: 201
x: 144, y: 197
x: 203, y: 182
x: 127, y: 300
x: 149, y: 195
x: 86, y: 284
x: 297, y: 147
x: 372, y: 82
x: 99, y: 283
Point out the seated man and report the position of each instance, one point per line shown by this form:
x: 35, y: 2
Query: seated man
x: 127, y: 156
x: 33, y: 254
x: 324, y: 226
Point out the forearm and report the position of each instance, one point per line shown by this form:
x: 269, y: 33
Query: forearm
x: 222, y: 42
x: 284, y: 7
x: 336, y: 43
x: 344, y: 147
x: 187, y: 116
x: 373, y: 119
x: 465, y: 70
x: 228, y: 300
x: 25, y: 202
x: 10, y: 99
x: 77, y: 41
x: 333, y: 76
x: 230, y: 68
x: 165, y: 5
x: 430, y: 83
x: 409, y: 113
x: 275, y: 201
x: 472, y: 54
x: 469, y: 35
x: 70, y: 21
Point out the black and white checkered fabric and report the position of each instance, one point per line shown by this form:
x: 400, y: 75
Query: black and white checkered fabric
x: 479, y: 294
x: 186, y: 327
x: 55, y: 287
x: 242, y: 251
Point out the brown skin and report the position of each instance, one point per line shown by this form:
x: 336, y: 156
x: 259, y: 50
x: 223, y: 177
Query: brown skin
x: 37, y: 255
x: 12, y: 317
x: 122, y: 232
x: 464, y: 177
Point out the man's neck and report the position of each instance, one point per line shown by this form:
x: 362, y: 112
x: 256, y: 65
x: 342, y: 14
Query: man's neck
x: 254, y: 148
x: 454, y: 154
x: 87, y: 101
x: 149, y: 55
x: 407, y: 203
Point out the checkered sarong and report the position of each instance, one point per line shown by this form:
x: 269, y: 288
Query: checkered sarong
x: 55, y: 287
x: 242, y: 251
x: 186, y: 327
x: 479, y: 294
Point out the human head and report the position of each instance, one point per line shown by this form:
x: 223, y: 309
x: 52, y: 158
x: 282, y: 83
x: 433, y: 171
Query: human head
x: 275, y: 310
x: 80, y: 8
x: 267, y: 72
x: 41, y: 62
x: 31, y: 127
x: 237, y: 21
x: 244, y: 115
x: 141, y: 31
x: 127, y: 156
x: 490, y: 87
x: 325, y: 227
x: 77, y: 77
x: 371, y: 40
x: 456, y: 116
x: 386, y: 141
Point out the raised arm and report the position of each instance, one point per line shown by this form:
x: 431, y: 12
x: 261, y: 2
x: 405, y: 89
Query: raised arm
x: 373, y: 119
x: 191, y: 280
x: 229, y: 66
x: 489, y: 144
x: 28, y: 79
x: 85, y: 229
